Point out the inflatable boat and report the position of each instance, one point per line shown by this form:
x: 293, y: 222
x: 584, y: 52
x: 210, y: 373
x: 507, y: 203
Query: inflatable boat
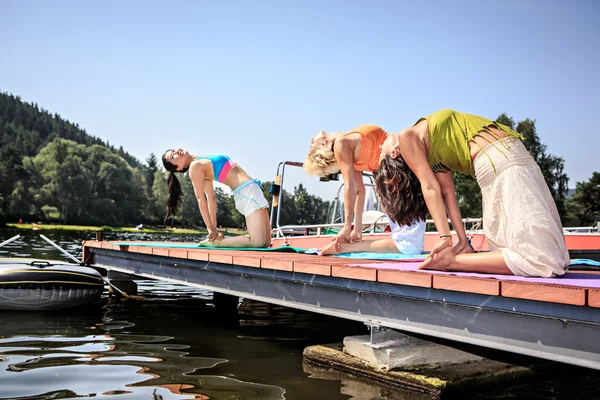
x: 34, y: 284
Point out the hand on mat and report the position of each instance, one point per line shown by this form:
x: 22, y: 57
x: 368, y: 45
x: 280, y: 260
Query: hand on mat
x: 342, y: 236
x: 355, y: 236
x: 462, y: 248
x: 214, y: 234
x: 441, y: 261
x: 441, y: 245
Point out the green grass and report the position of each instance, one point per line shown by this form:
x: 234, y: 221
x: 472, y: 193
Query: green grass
x: 81, y: 228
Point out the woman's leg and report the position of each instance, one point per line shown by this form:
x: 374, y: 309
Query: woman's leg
x: 259, y: 233
x: 490, y: 262
x: 386, y: 245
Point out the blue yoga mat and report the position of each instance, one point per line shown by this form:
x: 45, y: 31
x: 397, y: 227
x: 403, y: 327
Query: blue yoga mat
x: 585, y: 261
x: 374, y: 256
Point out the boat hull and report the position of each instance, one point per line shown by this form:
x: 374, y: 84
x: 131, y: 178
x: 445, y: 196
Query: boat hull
x: 31, y: 284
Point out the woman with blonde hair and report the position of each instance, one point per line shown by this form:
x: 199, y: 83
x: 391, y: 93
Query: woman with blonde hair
x: 350, y: 153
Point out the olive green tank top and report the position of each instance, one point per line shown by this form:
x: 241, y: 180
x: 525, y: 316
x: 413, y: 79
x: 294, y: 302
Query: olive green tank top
x: 449, y: 135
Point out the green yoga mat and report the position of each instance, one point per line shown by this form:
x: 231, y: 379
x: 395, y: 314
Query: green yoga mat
x: 285, y: 249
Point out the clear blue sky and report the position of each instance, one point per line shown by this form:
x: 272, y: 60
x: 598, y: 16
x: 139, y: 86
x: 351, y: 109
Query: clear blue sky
x: 256, y: 79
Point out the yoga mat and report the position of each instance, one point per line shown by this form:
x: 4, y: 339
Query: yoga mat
x: 585, y: 261
x: 171, y: 245
x: 373, y: 256
x: 570, y: 278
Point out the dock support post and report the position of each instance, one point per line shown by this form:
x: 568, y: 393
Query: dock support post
x: 391, y: 350
x: 122, y: 281
x: 225, y: 303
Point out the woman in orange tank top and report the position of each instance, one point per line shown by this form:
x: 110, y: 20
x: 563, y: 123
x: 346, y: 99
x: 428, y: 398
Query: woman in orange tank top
x: 350, y: 153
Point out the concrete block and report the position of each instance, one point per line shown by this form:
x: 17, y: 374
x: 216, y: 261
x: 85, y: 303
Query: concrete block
x: 402, y: 352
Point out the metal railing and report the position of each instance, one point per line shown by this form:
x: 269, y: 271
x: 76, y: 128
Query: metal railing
x: 279, y: 231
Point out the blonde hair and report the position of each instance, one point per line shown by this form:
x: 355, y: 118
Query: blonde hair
x: 321, y: 162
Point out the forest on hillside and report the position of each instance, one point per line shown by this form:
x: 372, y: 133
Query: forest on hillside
x: 52, y: 170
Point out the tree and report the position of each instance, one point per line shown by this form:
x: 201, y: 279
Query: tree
x: 552, y: 166
x: 468, y: 195
x: 584, y: 206
x: 150, y: 169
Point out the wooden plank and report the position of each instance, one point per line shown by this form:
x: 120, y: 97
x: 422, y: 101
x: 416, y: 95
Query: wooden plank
x: 281, y: 264
x: 93, y: 243
x: 312, y: 268
x: 86, y: 253
x: 220, y: 257
x: 197, y: 255
x: 107, y: 245
x: 247, y: 261
x: 178, y: 253
x: 409, y: 278
x: 360, y: 273
x: 467, y: 284
x: 594, y: 298
x: 143, y: 250
x: 160, y: 252
x: 541, y: 292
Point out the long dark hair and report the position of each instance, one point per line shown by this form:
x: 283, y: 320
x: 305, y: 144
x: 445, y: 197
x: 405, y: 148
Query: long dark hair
x: 174, y: 193
x: 400, y: 191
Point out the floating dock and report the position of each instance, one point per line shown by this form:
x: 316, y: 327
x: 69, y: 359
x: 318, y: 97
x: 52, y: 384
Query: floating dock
x: 549, y: 318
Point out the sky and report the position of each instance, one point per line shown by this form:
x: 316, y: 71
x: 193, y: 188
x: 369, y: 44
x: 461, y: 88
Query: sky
x: 256, y: 79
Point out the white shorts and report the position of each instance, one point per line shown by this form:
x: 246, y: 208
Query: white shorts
x: 249, y: 197
x: 519, y: 214
x: 409, y: 239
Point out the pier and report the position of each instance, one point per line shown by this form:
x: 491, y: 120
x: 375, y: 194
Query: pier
x: 554, y: 319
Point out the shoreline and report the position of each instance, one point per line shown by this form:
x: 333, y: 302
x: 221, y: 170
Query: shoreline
x: 85, y: 228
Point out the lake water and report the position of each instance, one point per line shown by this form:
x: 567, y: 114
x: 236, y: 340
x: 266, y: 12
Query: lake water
x: 174, y: 345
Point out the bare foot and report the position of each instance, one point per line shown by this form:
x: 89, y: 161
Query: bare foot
x: 205, y: 243
x: 329, y: 249
x: 440, y: 261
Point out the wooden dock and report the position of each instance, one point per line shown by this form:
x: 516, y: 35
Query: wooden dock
x: 556, y: 318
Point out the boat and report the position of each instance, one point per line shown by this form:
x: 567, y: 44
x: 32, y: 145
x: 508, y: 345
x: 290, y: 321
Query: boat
x: 36, y: 284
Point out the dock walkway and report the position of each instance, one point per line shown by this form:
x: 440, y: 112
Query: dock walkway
x: 555, y: 318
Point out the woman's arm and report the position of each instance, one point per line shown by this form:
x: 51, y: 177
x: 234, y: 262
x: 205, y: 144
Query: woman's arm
x: 209, y: 190
x: 449, y: 196
x: 344, y: 156
x: 414, y: 153
x: 197, y: 173
x: 359, y: 207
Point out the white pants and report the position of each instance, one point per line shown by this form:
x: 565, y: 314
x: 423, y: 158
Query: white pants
x: 409, y: 239
x: 249, y: 197
x: 519, y: 214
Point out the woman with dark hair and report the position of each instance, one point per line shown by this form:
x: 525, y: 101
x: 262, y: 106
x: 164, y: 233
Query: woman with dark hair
x: 520, y: 218
x: 247, y: 192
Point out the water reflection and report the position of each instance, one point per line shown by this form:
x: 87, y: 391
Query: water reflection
x: 50, y: 355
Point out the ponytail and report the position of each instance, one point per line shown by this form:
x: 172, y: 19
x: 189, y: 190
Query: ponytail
x: 174, y: 195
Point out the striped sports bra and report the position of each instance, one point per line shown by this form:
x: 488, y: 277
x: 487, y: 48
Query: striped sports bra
x: 221, y: 165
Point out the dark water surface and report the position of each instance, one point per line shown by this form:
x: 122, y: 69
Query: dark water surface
x: 173, y: 344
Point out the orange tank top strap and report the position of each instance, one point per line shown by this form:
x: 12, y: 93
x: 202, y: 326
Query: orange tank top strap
x: 372, y: 137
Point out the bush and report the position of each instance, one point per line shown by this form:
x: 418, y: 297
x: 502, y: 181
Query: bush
x: 51, y: 214
x: 106, y: 228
